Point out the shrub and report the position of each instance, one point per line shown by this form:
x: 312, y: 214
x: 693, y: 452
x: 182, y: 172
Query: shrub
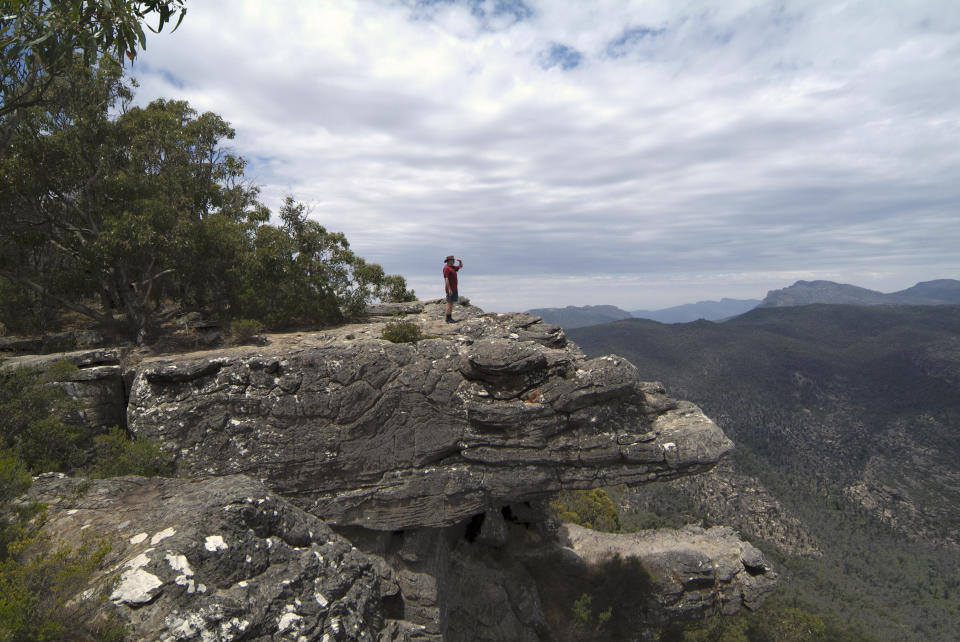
x: 243, y: 330
x: 589, y: 508
x: 39, y: 582
x: 402, y: 332
x: 116, y: 454
x: 38, y: 593
x: 31, y: 418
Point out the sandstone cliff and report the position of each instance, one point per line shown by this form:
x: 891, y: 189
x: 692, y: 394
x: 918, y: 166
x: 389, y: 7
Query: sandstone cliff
x: 433, y: 458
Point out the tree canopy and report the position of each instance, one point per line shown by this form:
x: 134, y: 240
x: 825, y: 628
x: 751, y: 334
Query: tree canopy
x: 39, y: 40
x: 131, y: 215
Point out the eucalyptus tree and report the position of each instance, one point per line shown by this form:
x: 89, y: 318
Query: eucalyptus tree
x: 40, y: 40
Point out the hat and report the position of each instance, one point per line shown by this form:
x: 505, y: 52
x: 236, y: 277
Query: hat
x: 449, y: 258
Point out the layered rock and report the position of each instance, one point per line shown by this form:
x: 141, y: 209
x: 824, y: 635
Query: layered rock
x: 360, y: 431
x: 96, y: 383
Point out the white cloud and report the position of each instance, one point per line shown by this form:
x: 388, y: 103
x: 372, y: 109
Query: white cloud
x: 688, y: 140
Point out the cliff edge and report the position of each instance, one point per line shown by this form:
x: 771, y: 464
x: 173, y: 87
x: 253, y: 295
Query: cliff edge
x: 432, y: 461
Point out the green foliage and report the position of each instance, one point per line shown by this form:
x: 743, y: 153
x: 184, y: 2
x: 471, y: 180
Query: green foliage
x: 14, y: 482
x: 774, y: 622
x: 116, y: 454
x: 243, y: 330
x: 41, y: 41
x: 606, y: 601
x: 38, y: 593
x: 23, y: 311
x: 590, y: 508
x: 32, y: 428
x: 117, y: 217
x: 402, y: 332
x: 288, y: 278
x: 301, y: 274
x: 586, y: 622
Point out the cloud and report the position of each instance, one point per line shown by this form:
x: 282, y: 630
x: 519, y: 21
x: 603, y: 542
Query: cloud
x: 577, y: 152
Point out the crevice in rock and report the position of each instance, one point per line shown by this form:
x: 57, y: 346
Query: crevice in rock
x: 473, y: 527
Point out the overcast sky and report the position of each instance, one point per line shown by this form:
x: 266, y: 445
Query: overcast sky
x: 641, y: 154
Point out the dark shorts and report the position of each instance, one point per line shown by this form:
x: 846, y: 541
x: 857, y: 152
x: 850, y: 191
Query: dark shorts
x: 452, y: 297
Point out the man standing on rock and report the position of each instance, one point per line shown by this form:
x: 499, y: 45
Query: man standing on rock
x: 450, y: 283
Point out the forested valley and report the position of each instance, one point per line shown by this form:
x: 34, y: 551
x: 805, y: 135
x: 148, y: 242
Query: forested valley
x: 845, y: 420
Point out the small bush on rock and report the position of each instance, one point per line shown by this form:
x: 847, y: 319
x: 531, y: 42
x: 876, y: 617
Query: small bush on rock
x: 589, y: 508
x: 244, y: 330
x: 117, y: 454
x: 402, y: 332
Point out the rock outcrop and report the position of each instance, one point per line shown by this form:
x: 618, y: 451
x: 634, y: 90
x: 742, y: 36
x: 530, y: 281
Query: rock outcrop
x: 695, y: 571
x: 216, y: 559
x: 360, y: 431
x: 433, y: 462
x: 96, y: 383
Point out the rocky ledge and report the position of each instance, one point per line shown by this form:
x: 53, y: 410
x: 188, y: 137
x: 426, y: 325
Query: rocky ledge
x: 496, y: 409
x: 433, y: 462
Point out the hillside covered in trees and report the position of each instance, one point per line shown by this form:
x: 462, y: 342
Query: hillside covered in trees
x: 846, y: 419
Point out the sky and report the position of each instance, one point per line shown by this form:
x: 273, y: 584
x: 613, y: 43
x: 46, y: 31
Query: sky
x: 642, y: 154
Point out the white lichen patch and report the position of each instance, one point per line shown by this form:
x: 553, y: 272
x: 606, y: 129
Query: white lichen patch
x: 136, y: 586
x: 215, y: 543
x: 162, y: 535
x: 183, y: 580
x: 137, y: 539
x: 179, y: 564
x: 235, y: 624
x: 191, y: 626
x: 288, y: 621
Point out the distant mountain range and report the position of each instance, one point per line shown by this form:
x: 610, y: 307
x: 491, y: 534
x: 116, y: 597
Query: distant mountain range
x: 708, y: 310
x: 580, y: 316
x: 846, y: 420
x: 938, y: 292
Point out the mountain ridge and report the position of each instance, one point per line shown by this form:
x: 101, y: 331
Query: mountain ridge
x: 936, y: 292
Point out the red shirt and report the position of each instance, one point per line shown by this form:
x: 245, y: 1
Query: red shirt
x: 450, y: 273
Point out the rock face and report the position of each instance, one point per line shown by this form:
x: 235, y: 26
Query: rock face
x: 97, y: 383
x: 500, y: 409
x: 217, y: 559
